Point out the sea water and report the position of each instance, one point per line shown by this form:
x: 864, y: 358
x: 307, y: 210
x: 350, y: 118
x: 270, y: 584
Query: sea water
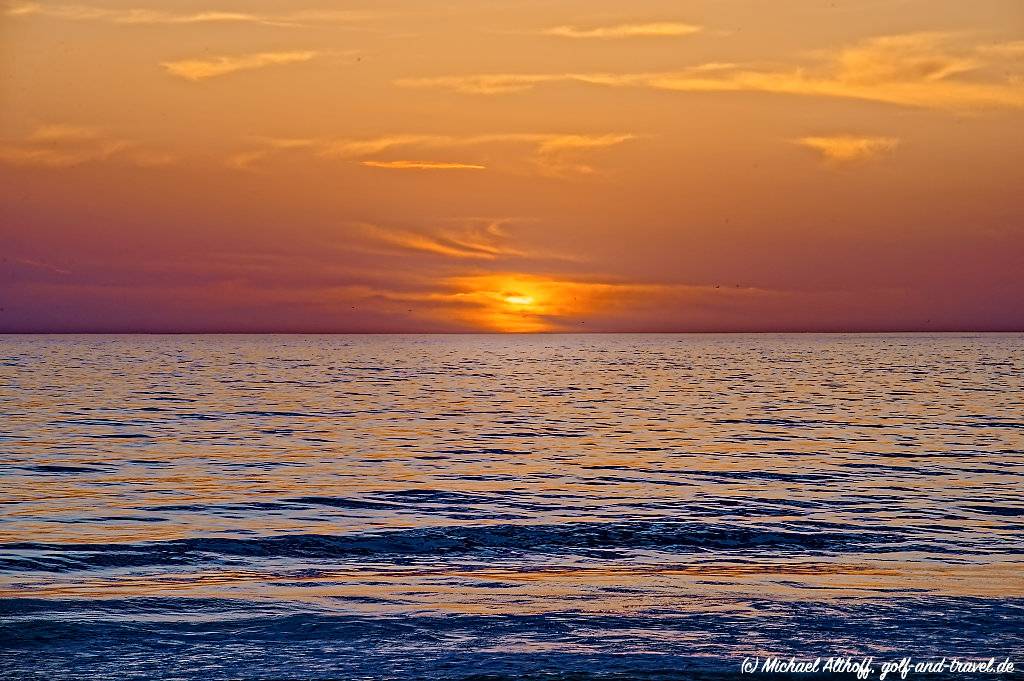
x: 448, y: 507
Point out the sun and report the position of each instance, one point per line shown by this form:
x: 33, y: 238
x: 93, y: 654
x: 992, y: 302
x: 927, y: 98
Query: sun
x: 522, y: 303
x: 520, y: 300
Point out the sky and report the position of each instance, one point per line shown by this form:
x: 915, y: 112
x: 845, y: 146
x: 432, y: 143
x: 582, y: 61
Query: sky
x: 511, y: 165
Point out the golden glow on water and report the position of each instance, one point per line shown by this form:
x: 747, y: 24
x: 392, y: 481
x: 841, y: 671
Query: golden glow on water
x: 487, y: 589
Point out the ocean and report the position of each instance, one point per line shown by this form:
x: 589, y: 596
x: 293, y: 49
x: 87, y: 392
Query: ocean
x: 506, y: 506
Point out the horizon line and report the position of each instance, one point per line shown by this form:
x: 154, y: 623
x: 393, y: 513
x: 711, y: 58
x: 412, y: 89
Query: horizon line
x: 881, y: 331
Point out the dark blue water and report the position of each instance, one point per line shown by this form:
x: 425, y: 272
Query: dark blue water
x: 456, y: 507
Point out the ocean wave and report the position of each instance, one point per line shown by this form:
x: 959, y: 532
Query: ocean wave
x: 579, y: 538
x: 187, y: 639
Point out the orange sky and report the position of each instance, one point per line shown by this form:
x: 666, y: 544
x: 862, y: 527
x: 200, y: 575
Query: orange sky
x: 512, y: 165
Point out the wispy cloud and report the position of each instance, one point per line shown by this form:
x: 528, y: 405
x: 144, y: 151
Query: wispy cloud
x: 547, y: 153
x: 497, y: 83
x: 926, y: 70
x: 64, y: 146
x: 847, y: 148
x: 61, y: 132
x: 201, y: 69
x: 558, y: 155
x: 1009, y: 50
x: 163, y: 17
x: 29, y: 155
x: 505, y: 83
x: 44, y: 266
x: 662, y: 29
x: 473, y: 240
x: 423, y: 165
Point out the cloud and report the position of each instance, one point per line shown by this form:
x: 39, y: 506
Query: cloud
x: 201, y: 69
x: 491, y: 83
x: 557, y: 155
x: 506, y: 83
x: 65, y: 146
x: 423, y: 165
x: 652, y: 30
x: 60, y: 132
x: 44, y: 266
x: 924, y: 70
x: 551, y: 154
x: 915, y: 57
x: 247, y: 160
x: 1011, y: 50
x: 27, y: 155
x: 161, y: 17
x: 847, y: 148
x: 474, y: 240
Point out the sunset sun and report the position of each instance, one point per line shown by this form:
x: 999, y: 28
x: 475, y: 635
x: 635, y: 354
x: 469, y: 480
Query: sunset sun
x: 520, y: 300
